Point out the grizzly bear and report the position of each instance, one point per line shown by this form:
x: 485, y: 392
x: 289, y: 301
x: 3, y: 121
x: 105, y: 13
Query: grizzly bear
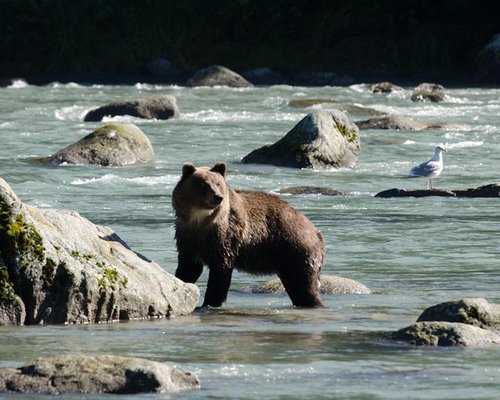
x: 251, y: 231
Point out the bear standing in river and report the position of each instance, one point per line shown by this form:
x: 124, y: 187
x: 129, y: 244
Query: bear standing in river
x: 251, y: 231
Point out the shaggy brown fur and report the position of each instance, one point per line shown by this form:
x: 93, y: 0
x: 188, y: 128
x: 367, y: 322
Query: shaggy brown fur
x: 251, y: 231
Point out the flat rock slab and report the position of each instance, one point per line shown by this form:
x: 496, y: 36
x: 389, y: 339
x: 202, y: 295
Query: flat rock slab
x: 491, y: 190
x: 99, y: 374
x: 330, y: 285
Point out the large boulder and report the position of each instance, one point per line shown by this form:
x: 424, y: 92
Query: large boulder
x: 109, y: 145
x: 217, y: 75
x: 466, y: 322
x: 324, y: 138
x: 432, y: 92
x: 95, y: 375
x: 159, y: 107
x: 488, y: 70
x: 330, y: 285
x: 58, y: 267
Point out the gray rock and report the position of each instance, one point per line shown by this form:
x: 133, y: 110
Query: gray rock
x: 429, y: 92
x: 324, y: 138
x: 65, y: 269
x: 217, y: 75
x: 95, y: 374
x: 159, y: 107
x: 330, y: 285
x: 491, y: 190
x: 395, y: 122
x: 438, y: 333
x: 385, y: 87
x: 347, y: 108
x: 109, y: 145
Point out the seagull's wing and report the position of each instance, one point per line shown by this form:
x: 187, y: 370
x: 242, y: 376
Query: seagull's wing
x: 425, y: 169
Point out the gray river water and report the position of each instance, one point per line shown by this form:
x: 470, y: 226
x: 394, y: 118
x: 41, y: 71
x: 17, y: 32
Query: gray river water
x: 412, y: 253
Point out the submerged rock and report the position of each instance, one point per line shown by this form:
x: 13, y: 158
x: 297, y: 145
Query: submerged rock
x: 491, y: 190
x: 324, y: 191
x: 324, y: 138
x: 217, y: 75
x: 159, y: 107
x: 95, y: 374
x: 347, y: 108
x: 330, y: 285
x: 109, y: 145
x: 58, y: 267
x: 466, y: 322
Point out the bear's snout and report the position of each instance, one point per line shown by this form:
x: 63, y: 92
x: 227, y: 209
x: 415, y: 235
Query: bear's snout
x: 216, y: 199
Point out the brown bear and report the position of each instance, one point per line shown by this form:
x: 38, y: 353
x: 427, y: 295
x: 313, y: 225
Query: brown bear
x: 251, y: 231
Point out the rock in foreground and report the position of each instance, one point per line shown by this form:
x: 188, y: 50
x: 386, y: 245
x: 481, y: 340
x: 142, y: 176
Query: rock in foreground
x: 110, y: 145
x: 322, y: 139
x: 58, y: 267
x: 466, y: 322
x: 330, y: 285
x: 160, y: 107
x: 100, y: 374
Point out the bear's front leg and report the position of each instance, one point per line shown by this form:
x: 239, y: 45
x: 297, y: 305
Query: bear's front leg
x: 219, y: 280
x: 188, y: 269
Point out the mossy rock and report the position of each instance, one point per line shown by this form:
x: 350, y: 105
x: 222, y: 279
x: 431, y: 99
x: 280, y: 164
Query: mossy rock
x: 322, y: 139
x: 109, y: 145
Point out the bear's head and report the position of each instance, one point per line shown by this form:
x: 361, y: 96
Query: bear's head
x: 200, y: 192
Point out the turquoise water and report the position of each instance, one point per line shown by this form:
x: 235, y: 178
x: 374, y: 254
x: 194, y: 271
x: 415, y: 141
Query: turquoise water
x: 412, y: 253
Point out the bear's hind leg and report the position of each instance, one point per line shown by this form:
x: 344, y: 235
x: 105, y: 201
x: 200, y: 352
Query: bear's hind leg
x: 302, y: 288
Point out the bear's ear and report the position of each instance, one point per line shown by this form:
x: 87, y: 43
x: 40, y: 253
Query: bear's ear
x: 220, y: 168
x: 187, y: 169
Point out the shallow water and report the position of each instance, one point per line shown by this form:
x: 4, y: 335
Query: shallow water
x: 412, y: 253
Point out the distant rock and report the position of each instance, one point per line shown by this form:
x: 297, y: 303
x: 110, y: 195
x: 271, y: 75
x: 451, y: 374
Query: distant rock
x: 324, y: 191
x: 488, y: 70
x: 467, y: 322
x: 347, y: 108
x: 395, y: 122
x: 264, y: 76
x: 324, y: 138
x: 158, y: 107
x: 80, y: 374
x: 163, y: 67
x: 385, y: 87
x: 320, y: 78
x: 109, y: 145
x: 330, y: 285
x: 432, y: 92
x: 217, y: 75
x: 57, y: 267
x: 491, y: 190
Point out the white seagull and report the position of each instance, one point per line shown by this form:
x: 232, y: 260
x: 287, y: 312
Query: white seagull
x: 429, y: 169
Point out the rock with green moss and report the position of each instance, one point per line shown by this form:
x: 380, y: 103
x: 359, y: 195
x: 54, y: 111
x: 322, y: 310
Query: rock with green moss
x: 158, y: 107
x: 322, y: 139
x: 466, y: 322
x: 58, y: 267
x: 79, y: 374
x: 109, y: 145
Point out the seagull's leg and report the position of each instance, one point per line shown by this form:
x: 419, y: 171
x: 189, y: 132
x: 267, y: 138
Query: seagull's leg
x: 430, y: 183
